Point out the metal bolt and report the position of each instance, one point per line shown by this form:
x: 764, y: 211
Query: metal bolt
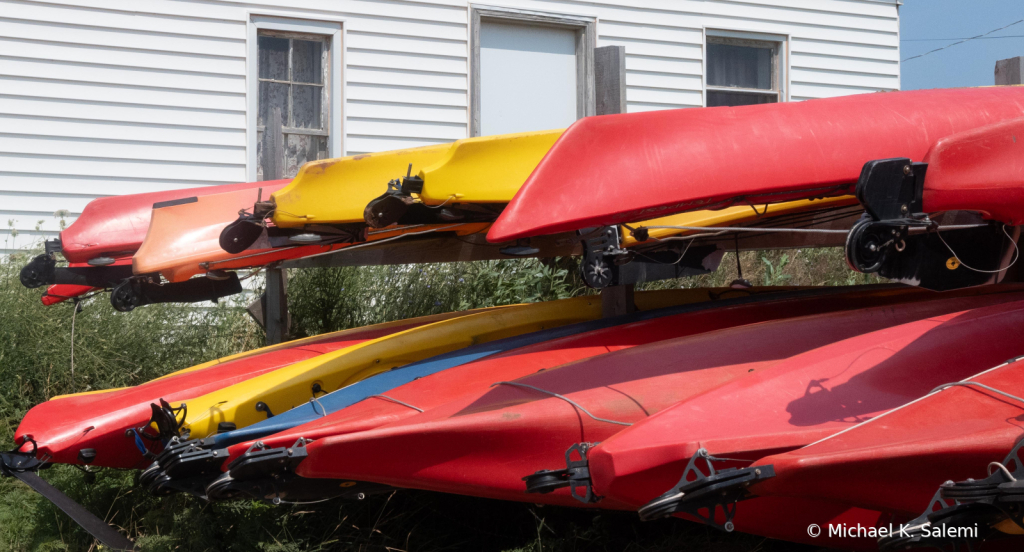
x: 289, y: 452
x: 360, y: 496
x: 757, y: 471
x: 907, y: 170
x: 904, y: 209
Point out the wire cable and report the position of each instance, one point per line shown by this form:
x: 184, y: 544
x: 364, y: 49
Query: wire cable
x: 962, y: 41
x: 566, y: 399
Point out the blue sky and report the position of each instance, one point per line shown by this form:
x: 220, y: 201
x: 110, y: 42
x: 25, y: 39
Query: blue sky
x: 968, y: 64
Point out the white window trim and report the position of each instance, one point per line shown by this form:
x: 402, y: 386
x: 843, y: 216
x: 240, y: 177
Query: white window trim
x: 272, y: 21
x: 586, y: 41
x: 782, y: 39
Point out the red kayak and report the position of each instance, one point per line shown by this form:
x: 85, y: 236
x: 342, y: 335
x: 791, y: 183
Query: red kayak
x: 897, y: 461
x: 483, y: 445
x: 117, y: 225
x: 109, y: 230
x: 90, y: 428
x: 803, y: 399
x: 624, y: 168
x: 473, y: 378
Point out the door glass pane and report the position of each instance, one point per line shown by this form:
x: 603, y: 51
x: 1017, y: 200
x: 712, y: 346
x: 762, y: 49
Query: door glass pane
x: 306, y: 106
x: 739, y: 66
x: 527, y: 78
x: 717, y: 98
x: 306, y: 66
x: 273, y: 57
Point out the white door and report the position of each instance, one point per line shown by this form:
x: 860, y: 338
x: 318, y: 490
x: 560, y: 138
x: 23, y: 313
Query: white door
x: 527, y: 78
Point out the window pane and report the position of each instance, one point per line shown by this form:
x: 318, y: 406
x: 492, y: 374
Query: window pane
x: 306, y: 111
x: 739, y: 66
x: 306, y: 64
x: 731, y: 99
x: 272, y: 95
x: 527, y: 78
x: 273, y: 57
x: 300, y: 149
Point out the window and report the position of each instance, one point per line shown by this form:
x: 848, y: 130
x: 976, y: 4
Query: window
x: 293, y: 113
x: 530, y: 70
x: 742, y: 72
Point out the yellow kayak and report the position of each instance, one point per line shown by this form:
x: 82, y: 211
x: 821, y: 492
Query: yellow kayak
x: 354, y: 333
x: 488, y: 169
x: 292, y: 386
x: 731, y: 216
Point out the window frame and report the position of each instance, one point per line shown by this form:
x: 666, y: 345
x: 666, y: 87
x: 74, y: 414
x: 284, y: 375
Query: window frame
x: 586, y: 40
x: 780, y: 61
x: 273, y: 23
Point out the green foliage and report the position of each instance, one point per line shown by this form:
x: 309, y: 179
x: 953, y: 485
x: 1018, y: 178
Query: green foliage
x: 114, y: 349
x: 330, y: 299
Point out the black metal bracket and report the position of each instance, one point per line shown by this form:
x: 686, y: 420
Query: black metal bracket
x: 703, y: 492
x: 896, y: 240
x: 606, y: 263
x: 137, y: 292
x: 958, y: 508
x: 576, y: 475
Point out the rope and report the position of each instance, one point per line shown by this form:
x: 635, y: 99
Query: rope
x: 566, y: 399
x: 74, y: 313
x: 752, y: 229
x: 976, y: 384
x: 1016, y: 254
x: 315, y: 401
x: 394, y: 400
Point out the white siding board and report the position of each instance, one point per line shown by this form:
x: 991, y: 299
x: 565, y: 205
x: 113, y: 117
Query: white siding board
x: 122, y: 149
x: 400, y: 60
x: 656, y: 48
x: 97, y: 111
x: 405, y: 112
x: 663, y: 65
x: 356, y: 143
x: 102, y: 97
x: 625, y: 29
x: 16, y: 202
x: 118, y: 167
x: 639, y: 107
x: 122, y: 57
x: 399, y: 77
x: 405, y: 129
x: 108, y: 93
x: 89, y: 72
x: 667, y: 81
x: 840, y: 78
x: 845, y: 50
x: 126, y: 20
x: 413, y: 45
x: 811, y: 90
x: 89, y: 185
x: 409, y: 94
x: 103, y: 130
x: 870, y: 67
x: 119, y: 38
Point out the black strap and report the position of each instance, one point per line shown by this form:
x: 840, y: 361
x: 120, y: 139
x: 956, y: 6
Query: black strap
x: 94, y: 525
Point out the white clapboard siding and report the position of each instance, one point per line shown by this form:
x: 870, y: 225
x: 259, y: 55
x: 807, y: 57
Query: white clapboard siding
x: 107, y: 97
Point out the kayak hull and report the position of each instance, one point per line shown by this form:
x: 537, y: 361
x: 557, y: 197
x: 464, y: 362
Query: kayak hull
x: 620, y: 168
x: 64, y: 425
x: 484, y: 444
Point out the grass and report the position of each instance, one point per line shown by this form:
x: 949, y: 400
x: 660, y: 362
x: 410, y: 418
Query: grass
x: 114, y: 349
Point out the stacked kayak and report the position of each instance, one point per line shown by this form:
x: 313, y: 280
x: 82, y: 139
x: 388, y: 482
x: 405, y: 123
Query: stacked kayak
x: 768, y: 411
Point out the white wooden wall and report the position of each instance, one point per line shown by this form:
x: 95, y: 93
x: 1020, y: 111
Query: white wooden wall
x: 102, y: 97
